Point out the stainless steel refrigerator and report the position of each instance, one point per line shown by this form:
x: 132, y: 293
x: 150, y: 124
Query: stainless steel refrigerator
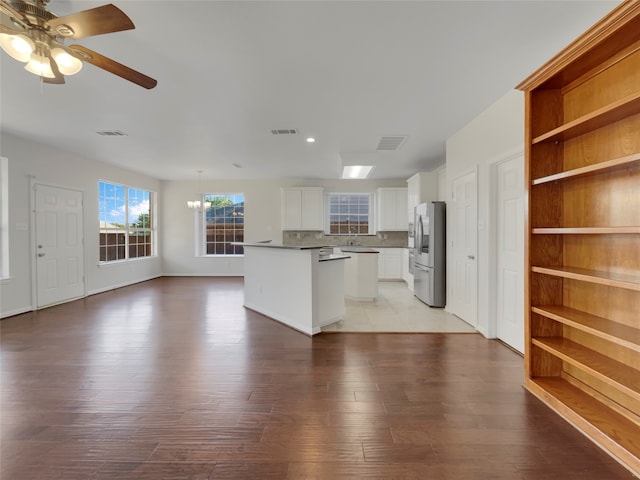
x: 429, y: 255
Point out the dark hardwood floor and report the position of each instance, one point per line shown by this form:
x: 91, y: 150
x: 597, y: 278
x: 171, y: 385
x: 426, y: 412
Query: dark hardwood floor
x: 173, y: 379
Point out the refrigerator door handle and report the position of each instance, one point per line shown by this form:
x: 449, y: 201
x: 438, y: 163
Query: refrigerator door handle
x: 419, y: 231
x: 421, y: 267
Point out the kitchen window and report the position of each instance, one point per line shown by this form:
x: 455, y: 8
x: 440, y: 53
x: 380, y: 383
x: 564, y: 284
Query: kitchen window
x: 126, y: 222
x: 224, y: 223
x: 350, y: 213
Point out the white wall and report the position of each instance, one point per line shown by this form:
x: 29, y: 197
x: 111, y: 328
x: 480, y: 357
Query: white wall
x: 262, y: 214
x: 442, y: 182
x: 179, y: 223
x: 62, y: 169
x: 175, y: 222
x: 494, y: 135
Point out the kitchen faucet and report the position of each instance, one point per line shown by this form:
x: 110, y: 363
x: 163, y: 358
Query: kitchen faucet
x: 352, y: 242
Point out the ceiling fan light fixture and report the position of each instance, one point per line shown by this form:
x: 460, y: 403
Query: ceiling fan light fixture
x: 17, y: 46
x: 39, y: 65
x: 67, y: 64
x: 41, y: 33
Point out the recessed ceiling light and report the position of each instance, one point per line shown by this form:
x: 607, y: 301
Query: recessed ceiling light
x: 311, y: 139
x: 356, y: 171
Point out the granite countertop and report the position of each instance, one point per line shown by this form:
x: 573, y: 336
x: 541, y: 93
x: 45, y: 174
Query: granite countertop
x: 344, y: 248
x: 333, y: 256
x: 277, y: 245
x: 358, y: 249
x: 322, y: 258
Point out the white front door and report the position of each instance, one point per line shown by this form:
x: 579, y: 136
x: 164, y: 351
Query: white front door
x: 59, y: 245
x: 463, y: 292
x: 510, y: 252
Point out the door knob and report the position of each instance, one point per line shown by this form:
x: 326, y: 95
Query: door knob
x: 471, y: 257
x: 41, y: 254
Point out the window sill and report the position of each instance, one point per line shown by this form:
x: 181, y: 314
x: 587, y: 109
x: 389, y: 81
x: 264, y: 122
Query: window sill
x: 115, y: 263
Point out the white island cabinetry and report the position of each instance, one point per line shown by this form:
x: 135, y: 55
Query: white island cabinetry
x: 390, y: 264
x: 294, y: 285
x: 303, y: 208
x: 361, y: 273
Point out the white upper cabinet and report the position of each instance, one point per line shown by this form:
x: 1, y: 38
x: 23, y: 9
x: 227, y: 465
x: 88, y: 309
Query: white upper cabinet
x: 303, y: 208
x: 421, y: 188
x: 392, y: 209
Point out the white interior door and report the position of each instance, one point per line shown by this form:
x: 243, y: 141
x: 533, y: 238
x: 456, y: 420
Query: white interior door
x: 59, y: 245
x: 510, y: 253
x: 463, y: 286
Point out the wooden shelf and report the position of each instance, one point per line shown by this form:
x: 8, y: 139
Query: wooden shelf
x: 583, y: 230
x: 582, y: 333
x: 625, y: 107
x: 630, y: 282
x: 609, y: 429
x: 612, y: 372
x: 614, y: 332
x: 628, y: 161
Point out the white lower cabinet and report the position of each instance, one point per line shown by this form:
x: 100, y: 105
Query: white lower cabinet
x: 390, y: 264
x: 406, y: 274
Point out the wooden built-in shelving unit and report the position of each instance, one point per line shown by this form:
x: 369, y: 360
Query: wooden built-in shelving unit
x: 582, y: 346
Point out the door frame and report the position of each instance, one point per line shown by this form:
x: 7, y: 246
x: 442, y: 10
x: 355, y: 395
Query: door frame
x: 492, y: 324
x: 33, y: 182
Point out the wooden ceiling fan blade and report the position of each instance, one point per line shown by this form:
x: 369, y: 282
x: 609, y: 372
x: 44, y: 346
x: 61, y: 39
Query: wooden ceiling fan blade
x: 95, y: 21
x: 12, y: 12
x: 9, y: 31
x: 111, y: 66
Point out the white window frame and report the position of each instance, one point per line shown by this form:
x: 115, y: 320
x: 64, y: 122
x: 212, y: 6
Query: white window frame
x: 128, y: 229
x: 371, y: 214
x: 203, y: 223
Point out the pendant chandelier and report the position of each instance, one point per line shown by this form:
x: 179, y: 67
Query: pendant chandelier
x: 197, y: 204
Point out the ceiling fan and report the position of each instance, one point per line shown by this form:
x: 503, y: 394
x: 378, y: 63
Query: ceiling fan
x: 30, y: 33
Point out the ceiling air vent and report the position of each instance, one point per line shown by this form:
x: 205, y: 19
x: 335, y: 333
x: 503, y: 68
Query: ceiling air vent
x: 112, y: 133
x: 391, y: 142
x: 285, y: 131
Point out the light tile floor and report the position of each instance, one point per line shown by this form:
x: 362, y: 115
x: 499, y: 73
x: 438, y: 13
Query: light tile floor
x: 396, y: 310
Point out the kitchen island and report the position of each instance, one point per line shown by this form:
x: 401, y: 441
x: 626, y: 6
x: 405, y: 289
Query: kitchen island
x: 295, y: 285
x: 361, y: 273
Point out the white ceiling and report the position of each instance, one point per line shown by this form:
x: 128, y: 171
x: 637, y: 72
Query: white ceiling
x: 346, y: 73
